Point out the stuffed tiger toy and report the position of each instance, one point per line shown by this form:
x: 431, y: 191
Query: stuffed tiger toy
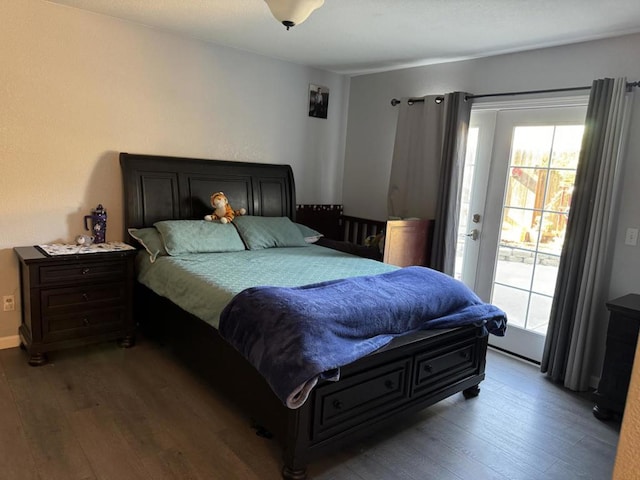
x: 222, y: 210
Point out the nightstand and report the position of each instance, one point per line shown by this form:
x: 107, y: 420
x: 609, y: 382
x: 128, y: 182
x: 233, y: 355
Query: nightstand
x: 75, y: 299
x: 622, y: 337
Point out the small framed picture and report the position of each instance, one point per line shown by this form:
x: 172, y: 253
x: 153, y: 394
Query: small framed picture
x: 318, y: 101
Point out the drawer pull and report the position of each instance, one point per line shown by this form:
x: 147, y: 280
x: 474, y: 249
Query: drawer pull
x: 85, y: 297
x: 85, y: 321
x: 85, y: 270
x: 337, y: 404
x: 464, y: 354
x: 389, y: 384
x: 427, y: 368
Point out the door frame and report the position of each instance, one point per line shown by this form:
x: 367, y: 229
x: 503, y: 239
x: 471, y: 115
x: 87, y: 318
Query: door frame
x: 480, y: 272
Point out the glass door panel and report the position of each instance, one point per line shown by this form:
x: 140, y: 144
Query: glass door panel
x: 532, y: 162
x: 536, y: 204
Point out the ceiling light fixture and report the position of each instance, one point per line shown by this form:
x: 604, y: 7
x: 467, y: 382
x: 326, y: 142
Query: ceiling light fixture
x: 293, y: 12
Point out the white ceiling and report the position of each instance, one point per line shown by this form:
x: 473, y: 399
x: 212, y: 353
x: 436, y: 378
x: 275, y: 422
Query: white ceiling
x: 360, y: 36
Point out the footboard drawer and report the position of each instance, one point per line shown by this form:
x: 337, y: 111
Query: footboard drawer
x: 445, y: 365
x: 354, y: 400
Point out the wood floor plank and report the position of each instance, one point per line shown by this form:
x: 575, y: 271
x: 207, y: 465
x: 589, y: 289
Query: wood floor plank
x: 437, y: 452
x: 515, y: 424
x: 408, y: 459
x: 203, y: 437
x: 202, y: 419
x: 100, y: 412
x: 260, y: 454
x: 105, y: 385
x: 104, y: 446
x: 513, y: 463
x: 368, y: 466
x: 14, y: 363
x: 568, y: 409
x: 588, y: 459
x: 53, y: 445
x: 15, y: 457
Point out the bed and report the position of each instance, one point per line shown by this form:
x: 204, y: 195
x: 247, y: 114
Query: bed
x: 409, y: 373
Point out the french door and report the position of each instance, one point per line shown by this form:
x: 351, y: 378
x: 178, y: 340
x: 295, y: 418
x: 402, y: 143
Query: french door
x: 518, y: 180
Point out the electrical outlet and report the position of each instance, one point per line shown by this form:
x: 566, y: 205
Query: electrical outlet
x: 631, y: 237
x: 8, y: 303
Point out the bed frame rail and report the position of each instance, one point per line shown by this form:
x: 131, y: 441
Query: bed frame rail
x: 330, y: 220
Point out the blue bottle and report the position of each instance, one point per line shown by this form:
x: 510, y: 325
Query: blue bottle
x: 98, y: 227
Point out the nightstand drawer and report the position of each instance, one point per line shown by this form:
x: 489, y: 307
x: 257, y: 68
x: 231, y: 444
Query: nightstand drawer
x: 82, y: 272
x: 83, y: 324
x: 624, y: 329
x: 89, y: 297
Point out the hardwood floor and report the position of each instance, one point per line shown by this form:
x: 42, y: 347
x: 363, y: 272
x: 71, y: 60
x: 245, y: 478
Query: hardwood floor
x: 101, y: 412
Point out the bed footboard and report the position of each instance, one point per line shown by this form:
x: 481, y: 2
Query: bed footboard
x: 408, y: 375
x: 402, y: 378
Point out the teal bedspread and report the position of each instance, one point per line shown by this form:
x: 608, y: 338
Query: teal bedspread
x: 204, y: 283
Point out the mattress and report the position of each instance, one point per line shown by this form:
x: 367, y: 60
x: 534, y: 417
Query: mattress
x: 204, y: 283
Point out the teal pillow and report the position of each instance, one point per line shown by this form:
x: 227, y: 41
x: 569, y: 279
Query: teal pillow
x: 198, y: 236
x: 268, y: 232
x: 150, y: 239
x: 310, y: 235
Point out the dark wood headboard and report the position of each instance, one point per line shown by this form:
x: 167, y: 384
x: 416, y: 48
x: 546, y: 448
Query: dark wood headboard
x: 173, y: 188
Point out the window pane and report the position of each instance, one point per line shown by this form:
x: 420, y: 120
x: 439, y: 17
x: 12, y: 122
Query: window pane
x: 531, y: 146
x: 513, y: 302
x: 559, y: 190
x: 552, y: 232
x: 546, y: 273
x: 526, y: 187
x: 465, y: 198
x: 520, y: 228
x: 566, y: 146
x: 515, y: 267
x: 539, y: 312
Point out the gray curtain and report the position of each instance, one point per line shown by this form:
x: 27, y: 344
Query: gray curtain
x: 456, y: 121
x: 416, y: 158
x: 426, y: 169
x: 582, y: 277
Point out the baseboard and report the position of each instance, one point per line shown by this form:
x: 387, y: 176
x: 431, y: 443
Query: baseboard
x: 514, y: 355
x: 9, y: 342
x: 593, y: 380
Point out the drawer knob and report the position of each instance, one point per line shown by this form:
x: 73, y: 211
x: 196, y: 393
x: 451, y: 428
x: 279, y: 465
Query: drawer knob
x: 464, y: 354
x: 427, y: 368
x: 337, y: 404
x: 85, y: 270
x: 85, y: 297
x: 85, y: 321
x: 389, y: 384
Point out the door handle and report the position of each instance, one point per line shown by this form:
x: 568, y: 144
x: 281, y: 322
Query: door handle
x: 474, y: 234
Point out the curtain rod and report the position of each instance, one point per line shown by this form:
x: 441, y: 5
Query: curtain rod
x: 411, y: 101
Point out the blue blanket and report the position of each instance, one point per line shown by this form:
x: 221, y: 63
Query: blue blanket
x: 294, y: 336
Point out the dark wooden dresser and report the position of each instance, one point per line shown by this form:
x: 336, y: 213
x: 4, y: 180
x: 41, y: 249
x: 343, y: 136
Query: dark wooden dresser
x: 408, y: 242
x: 622, y: 337
x: 72, y: 300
